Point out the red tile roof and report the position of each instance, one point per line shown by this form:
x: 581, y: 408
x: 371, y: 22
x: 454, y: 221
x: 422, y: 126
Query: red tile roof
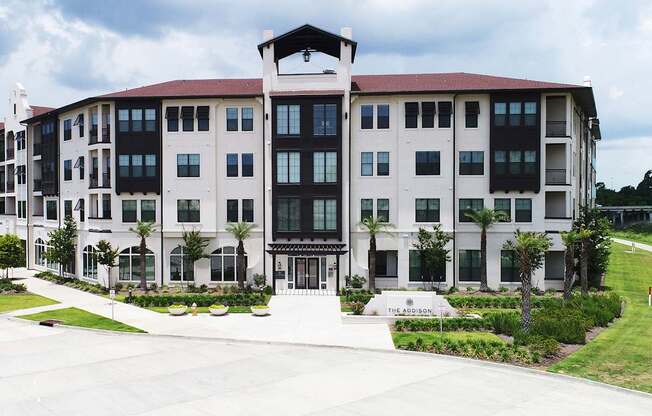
x: 195, y: 88
x: 38, y: 110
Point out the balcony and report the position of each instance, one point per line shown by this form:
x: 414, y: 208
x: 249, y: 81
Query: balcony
x: 11, y: 187
x: 38, y: 185
x: 2, y: 186
x: 556, y: 205
x: 106, y: 134
x: 93, y: 135
x: 10, y: 154
x: 556, y: 177
x: 95, y: 183
x: 556, y: 128
x: 38, y: 149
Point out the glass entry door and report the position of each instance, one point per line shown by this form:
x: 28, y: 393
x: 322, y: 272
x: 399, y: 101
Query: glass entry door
x: 313, y: 273
x: 306, y: 273
x: 300, y: 273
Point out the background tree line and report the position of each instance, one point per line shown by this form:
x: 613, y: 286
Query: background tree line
x: 628, y: 195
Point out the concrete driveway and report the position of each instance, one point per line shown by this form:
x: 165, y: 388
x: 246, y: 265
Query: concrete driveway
x: 61, y: 371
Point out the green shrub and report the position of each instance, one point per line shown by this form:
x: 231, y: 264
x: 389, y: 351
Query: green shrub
x: 7, y: 286
x: 357, y: 308
x: 362, y: 297
x: 448, y: 324
x: 504, y: 322
x: 268, y: 290
x: 74, y: 283
x: 502, y: 302
x: 234, y: 299
x: 567, y: 328
x: 259, y: 307
x: 545, y: 346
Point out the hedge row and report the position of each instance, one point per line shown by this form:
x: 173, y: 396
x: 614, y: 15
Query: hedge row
x: 233, y: 299
x: 502, y: 302
x: 7, y: 286
x: 477, y: 348
x: 73, y: 283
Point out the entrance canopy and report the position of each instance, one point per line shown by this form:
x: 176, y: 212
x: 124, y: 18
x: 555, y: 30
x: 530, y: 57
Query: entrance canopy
x: 307, y: 37
x: 301, y: 249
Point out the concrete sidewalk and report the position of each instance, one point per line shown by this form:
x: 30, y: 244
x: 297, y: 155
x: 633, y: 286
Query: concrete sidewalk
x: 640, y: 246
x: 314, y: 320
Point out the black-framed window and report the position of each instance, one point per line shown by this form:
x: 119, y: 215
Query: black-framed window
x: 188, y: 210
x: 366, y: 208
x: 366, y: 116
x: 51, y: 210
x: 382, y: 209
x: 247, y: 115
x: 523, y: 210
x: 387, y: 263
x: 21, y: 174
x: 136, y: 166
x: 324, y: 167
x: 382, y: 120
x: 231, y: 165
x: 22, y: 209
x: 500, y: 114
x: 530, y: 113
x: 232, y: 119
x: 509, y: 272
x: 247, y: 164
x: 150, y: 166
x: 470, y: 265
x: 67, y: 170
x: 106, y: 206
x: 288, y: 119
x: 148, y: 210
x: 288, y: 214
x: 427, y: 162
x: 136, y: 119
x: 67, y: 129
x: 324, y: 119
x: 411, y: 115
x: 123, y: 165
x: 288, y: 167
x: 80, y: 164
x: 123, y: 120
x: 428, y: 114
x: 471, y: 163
x: 445, y: 110
x: 530, y: 162
x: 382, y: 163
x: 500, y: 162
x: 324, y: 215
x: 80, y: 206
x: 426, y: 210
x: 231, y: 210
x: 79, y: 121
x: 504, y: 205
x: 172, y: 116
x: 418, y: 273
x: 188, y: 165
x: 471, y: 114
x: 468, y: 205
x: 515, y: 159
x: 150, y: 120
x: 188, y: 118
x: 515, y: 113
x: 129, y: 210
x: 247, y: 210
x: 67, y: 208
x: 203, y: 117
x: 367, y: 164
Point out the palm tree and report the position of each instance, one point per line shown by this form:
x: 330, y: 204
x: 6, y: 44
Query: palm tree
x: 241, y: 231
x: 569, y: 239
x: 373, y: 226
x: 484, y: 219
x: 529, y: 250
x: 143, y: 230
x: 584, y: 235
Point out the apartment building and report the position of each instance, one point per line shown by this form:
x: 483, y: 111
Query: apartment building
x: 305, y: 156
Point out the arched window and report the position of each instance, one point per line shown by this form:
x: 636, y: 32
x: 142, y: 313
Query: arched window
x: 223, y: 264
x: 181, y: 268
x: 39, y: 250
x: 129, y: 264
x: 89, y: 261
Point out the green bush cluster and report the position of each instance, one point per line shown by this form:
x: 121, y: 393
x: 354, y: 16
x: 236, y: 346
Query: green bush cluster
x: 233, y: 299
x: 546, y: 346
x: 476, y: 348
x: 362, y: 297
x: 504, y: 322
x: 7, y: 286
x: 502, y: 302
x: 447, y: 324
x: 73, y: 283
x: 357, y: 308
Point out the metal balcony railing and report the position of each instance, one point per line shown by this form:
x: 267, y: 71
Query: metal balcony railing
x: 555, y: 176
x: 37, y: 149
x: 38, y: 185
x: 11, y: 187
x: 556, y: 128
x: 10, y: 154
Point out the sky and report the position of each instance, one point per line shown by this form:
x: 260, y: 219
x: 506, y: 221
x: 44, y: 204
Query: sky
x: 66, y: 50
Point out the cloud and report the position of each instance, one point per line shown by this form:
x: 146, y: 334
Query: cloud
x: 623, y: 162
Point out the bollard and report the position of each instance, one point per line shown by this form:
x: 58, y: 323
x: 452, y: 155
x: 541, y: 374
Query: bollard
x: 649, y: 296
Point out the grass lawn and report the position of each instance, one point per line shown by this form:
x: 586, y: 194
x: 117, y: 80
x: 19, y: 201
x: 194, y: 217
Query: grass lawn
x: 23, y: 301
x: 622, y: 354
x: 202, y: 309
x: 641, y: 233
x: 78, y: 317
x: 404, y: 338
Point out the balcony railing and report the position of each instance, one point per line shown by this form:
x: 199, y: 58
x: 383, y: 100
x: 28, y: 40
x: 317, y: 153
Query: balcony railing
x: 95, y: 183
x: 11, y: 187
x: 38, y: 148
x: 10, y: 154
x: 556, y: 128
x: 106, y: 134
x: 2, y: 186
x: 555, y: 176
x: 93, y: 135
x: 38, y: 185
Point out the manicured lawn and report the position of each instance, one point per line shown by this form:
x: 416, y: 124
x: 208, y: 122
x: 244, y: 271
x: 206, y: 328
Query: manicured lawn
x: 78, y: 317
x: 641, y: 233
x: 202, y: 309
x: 622, y: 354
x: 404, y: 338
x: 23, y: 301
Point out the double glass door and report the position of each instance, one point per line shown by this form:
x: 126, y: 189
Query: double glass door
x: 306, y: 273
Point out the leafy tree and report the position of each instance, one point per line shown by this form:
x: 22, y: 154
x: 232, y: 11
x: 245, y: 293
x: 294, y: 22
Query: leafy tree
x: 373, y: 226
x: 432, y: 250
x: 484, y: 219
x: 107, y: 256
x: 241, y: 231
x: 584, y: 236
x: 570, y: 240
x: 143, y: 230
x: 63, y: 245
x: 194, y: 246
x: 628, y: 195
x: 12, y: 253
x: 598, y: 244
x: 529, y: 250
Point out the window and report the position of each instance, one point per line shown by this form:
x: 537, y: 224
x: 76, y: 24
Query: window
x: 515, y: 162
x: 428, y: 114
x: 500, y: 114
x: 188, y: 210
x: 471, y: 163
x: 247, y: 119
x: 288, y: 214
x: 172, y: 116
x: 367, y: 164
x: 288, y: 119
x: 67, y: 208
x: 324, y: 119
x: 231, y: 165
x: 367, y: 116
x: 523, y: 208
x: 129, y: 213
x: 426, y: 210
x: 231, y: 210
x: 324, y: 215
x: 382, y: 209
x: 123, y: 165
x: 137, y: 166
x: 21, y: 174
x: 386, y: 263
x: 508, y: 267
x: 427, y: 163
x: 247, y: 210
x: 411, y: 115
x: 148, y: 210
x: 500, y: 160
x: 136, y: 119
x: 22, y: 209
x: 202, y: 118
x: 123, y: 120
x: 39, y: 250
x: 67, y: 129
x: 470, y: 265
x: 188, y: 118
x: 89, y: 263
x: 79, y: 121
x: 288, y: 167
x: 382, y: 121
x: 106, y: 206
x: 530, y: 113
x: 530, y: 162
x: 366, y: 208
x: 324, y: 167
x: 231, y: 119
x: 445, y: 111
x: 67, y: 170
x: 129, y: 264
x: 150, y: 166
x: 80, y: 164
x: 468, y: 206
x: 515, y: 114
x: 247, y: 165
x: 188, y: 165
x: 382, y: 164
x: 471, y: 115
x: 504, y: 205
x: 420, y: 274
x: 51, y: 210
x: 150, y: 120
x: 80, y: 207
x: 223, y: 261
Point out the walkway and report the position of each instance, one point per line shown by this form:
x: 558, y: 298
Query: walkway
x: 60, y: 371
x: 640, y: 246
x: 314, y: 320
